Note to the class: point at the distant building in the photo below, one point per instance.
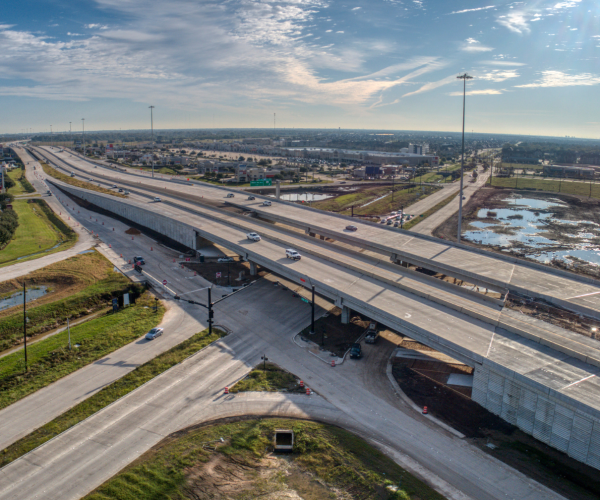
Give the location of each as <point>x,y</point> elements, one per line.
<point>569,172</point>
<point>418,149</point>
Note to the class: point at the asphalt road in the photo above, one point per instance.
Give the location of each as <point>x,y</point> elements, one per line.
<point>263,320</point>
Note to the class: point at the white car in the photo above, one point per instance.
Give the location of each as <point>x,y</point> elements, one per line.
<point>226,259</point>
<point>253,236</point>
<point>157,199</point>
<point>266,203</point>
<point>292,254</point>
<point>154,333</point>
<point>230,195</point>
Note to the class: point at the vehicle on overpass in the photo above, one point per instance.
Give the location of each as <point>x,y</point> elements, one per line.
<point>154,333</point>
<point>266,203</point>
<point>230,195</point>
<point>225,260</point>
<point>72,174</point>
<point>351,228</point>
<point>253,236</point>
<point>292,254</point>
<point>251,198</point>
<point>157,199</point>
<point>139,260</point>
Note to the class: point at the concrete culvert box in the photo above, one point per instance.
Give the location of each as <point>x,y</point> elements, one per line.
<point>284,440</point>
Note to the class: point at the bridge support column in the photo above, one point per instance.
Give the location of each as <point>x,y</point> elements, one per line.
<point>252,268</point>
<point>346,311</point>
<point>277,189</point>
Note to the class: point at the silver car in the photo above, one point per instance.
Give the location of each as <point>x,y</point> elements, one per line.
<point>154,333</point>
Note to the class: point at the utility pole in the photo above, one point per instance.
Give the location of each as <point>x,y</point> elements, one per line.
<point>69,331</point>
<point>464,78</point>
<point>25,325</point>
<point>83,134</point>
<point>312,313</point>
<point>152,135</point>
<point>274,121</point>
<point>51,136</point>
<point>70,134</point>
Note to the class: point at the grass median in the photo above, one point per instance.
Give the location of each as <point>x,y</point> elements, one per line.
<point>22,185</point>
<point>50,359</point>
<point>67,179</point>
<point>328,462</point>
<point>553,185</point>
<point>268,377</point>
<point>39,232</point>
<point>75,288</point>
<point>109,394</point>
<point>431,211</point>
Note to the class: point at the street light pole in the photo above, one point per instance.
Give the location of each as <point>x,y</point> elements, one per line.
<point>83,134</point>
<point>70,134</point>
<point>25,325</point>
<point>312,312</point>
<point>152,135</point>
<point>464,78</point>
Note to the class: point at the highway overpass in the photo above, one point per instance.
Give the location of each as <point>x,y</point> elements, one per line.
<point>542,379</point>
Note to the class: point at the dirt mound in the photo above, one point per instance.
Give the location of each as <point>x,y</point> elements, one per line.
<point>133,230</point>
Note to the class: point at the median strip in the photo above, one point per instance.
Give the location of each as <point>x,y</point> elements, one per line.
<point>110,394</point>
<point>408,225</point>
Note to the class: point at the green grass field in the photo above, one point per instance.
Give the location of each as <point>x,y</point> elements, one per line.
<point>39,230</point>
<point>17,189</point>
<point>269,378</point>
<point>403,196</point>
<point>436,176</point>
<point>325,454</point>
<point>564,186</point>
<point>52,172</point>
<point>109,394</point>
<point>50,359</point>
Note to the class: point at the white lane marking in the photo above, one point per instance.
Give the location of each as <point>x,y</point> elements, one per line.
<point>575,383</point>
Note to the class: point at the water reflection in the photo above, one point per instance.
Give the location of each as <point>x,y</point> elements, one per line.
<point>526,224</point>
<point>16,298</point>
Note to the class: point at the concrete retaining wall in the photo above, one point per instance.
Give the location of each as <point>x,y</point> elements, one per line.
<point>566,427</point>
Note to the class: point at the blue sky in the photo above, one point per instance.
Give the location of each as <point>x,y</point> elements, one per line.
<point>385,64</point>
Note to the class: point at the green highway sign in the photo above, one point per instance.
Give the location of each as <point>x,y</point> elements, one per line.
<point>262,182</point>
<point>305,300</point>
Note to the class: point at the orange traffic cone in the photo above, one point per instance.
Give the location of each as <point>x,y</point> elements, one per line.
<point>301,383</point>
<point>333,362</point>
<point>425,412</point>
<point>307,391</point>
<point>226,390</point>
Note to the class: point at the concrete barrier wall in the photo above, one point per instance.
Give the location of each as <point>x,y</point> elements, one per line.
<point>556,422</point>
<point>535,408</point>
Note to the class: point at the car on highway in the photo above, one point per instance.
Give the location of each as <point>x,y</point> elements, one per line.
<point>157,199</point>
<point>139,260</point>
<point>224,260</point>
<point>114,186</point>
<point>251,198</point>
<point>125,192</point>
<point>120,190</point>
<point>48,193</point>
<point>230,195</point>
<point>154,333</point>
<point>90,180</point>
<point>253,236</point>
<point>292,254</point>
<point>266,203</point>
<point>389,222</point>
<point>351,228</point>
<point>356,351</point>
<point>72,174</point>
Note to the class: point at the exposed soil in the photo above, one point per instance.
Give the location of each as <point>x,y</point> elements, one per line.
<point>133,230</point>
<point>337,338</point>
<point>543,311</point>
<point>577,208</point>
<point>230,273</point>
<point>482,428</point>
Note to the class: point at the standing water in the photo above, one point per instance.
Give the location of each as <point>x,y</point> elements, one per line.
<point>16,298</point>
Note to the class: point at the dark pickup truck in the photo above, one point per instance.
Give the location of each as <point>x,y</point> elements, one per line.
<point>371,336</point>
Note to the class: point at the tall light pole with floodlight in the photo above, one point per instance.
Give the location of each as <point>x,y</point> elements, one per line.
<point>83,134</point>
<point>464,78</point>
<point>152,135</point>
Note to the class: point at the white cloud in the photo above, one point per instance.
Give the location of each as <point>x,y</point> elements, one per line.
<point>478,92</point>
<point>472,45</point>
<point>473,10</point>
<point>515,21</point>
<point>503,63</point>
<point>356,8</point>
<point>553,78</point>
<point>498,75</point>
<point>432,85</point>
<point>96,26</point>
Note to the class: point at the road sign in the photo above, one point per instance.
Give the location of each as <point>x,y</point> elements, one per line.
<point>188,259</point>
<point>218,275</point>
<point>262,182</point>
<point>165,282</point>
<point>305,300</point>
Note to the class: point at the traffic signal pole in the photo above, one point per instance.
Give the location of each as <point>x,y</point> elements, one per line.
<point>312,312</point>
